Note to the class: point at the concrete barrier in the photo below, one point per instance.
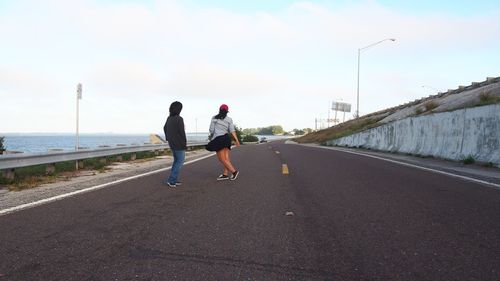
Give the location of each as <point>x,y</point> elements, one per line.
<point>156,139</point>
<point>451,135</point>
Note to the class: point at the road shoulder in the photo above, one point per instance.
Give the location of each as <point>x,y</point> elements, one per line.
<point>89,179</point>
<point>485,175</point>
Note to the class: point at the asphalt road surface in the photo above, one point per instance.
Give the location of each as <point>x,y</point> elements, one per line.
<point>334,216</point>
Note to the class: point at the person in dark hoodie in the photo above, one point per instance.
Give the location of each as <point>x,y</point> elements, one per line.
<point>176,137</point>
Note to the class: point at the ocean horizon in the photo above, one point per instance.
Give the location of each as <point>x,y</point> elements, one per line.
<point>43,142</point>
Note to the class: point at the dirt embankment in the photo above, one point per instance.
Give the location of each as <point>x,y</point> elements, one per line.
<point>476,94</point>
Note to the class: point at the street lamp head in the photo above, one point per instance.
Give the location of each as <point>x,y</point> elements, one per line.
<point>359,58</point>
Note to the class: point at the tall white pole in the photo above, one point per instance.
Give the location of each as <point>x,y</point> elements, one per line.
<point>357,95</point>
<point>328,120</point>
<point>77,135</point>
<point>359,59</point>
<point>78,97</point>
<point>336,110</point>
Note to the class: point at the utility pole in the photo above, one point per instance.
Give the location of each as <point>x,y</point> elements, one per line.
<point>336,109</point>
<point>328,120</point>
<point>78,98</point>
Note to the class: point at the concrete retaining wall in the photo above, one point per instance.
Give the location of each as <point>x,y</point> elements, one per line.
<point>451,135</point>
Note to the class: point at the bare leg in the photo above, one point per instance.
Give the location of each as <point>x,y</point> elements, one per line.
<point>222,158</point>
<point>226,156</point>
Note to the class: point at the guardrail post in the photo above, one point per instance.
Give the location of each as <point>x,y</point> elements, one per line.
<point>157,152</point>
<point>79,163</point>
<point>133,156</point>
<point>119,158</point>
<point>50,169</point>
<point>8,174</point>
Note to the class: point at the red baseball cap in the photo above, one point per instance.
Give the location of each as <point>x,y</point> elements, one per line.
<point>224,107</point>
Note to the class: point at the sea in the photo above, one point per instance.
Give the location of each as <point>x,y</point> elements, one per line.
<point>38,143</point>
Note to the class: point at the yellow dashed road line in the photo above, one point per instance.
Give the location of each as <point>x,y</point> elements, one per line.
<point>284,169</point>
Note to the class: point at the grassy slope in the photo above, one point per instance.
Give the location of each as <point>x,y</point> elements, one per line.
<point>421,107</point>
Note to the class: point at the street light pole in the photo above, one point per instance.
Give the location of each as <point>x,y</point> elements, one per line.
<point>357,95</point>
<point>359,62</point>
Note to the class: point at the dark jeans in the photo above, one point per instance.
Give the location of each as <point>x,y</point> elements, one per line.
<point>176,166</point>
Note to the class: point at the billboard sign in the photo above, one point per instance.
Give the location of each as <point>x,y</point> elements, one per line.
<point>341,106</point>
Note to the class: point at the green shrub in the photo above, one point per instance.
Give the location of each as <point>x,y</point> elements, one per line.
<point>2,148</point>
<point>145,154</point>
<point>4,180</point>
<point>250,138</point>
<point>489,165</point>
<point>67,166</point>
<point>93,163</point>
<point>419,111</point>
<point>238,133</point>
<point>469,160</point>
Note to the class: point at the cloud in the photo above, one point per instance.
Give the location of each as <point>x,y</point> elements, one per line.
<point>134,78</point>
<point>305,53</point>
<point>362,23</point>
<point>125,79</point>
<point>18,82</point>
<point>207,79</point>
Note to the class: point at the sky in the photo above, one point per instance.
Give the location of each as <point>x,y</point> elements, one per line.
<point>272,62</point>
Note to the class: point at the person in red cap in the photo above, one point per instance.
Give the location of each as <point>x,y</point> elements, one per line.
<point>221,130</point>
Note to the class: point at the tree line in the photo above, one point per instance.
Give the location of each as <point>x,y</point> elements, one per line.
<point>269,130</point>
<point>275,130</point>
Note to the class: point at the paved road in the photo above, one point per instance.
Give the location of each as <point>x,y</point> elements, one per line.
<point>355,218</point>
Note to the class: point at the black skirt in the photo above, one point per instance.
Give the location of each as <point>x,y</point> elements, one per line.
<point>219,143</point>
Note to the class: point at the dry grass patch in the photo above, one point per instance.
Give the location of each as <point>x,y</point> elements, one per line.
<point>348,128</point>
<point>487,97</point>
<point>430,105</point>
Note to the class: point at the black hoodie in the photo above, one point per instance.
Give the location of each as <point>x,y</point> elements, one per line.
<point>175,133</point>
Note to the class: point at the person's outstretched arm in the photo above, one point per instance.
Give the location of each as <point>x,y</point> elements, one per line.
<point>235,137</point>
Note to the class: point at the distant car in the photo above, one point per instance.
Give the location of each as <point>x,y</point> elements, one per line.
<point>264,139</point>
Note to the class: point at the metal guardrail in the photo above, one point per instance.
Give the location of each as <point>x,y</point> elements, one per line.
<point>12,161</point>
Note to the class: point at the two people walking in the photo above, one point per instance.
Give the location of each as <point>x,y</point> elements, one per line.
<point>221,131</point>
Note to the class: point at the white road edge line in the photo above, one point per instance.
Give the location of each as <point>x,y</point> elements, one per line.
<point>497,186</point>
<point>71,194</point>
